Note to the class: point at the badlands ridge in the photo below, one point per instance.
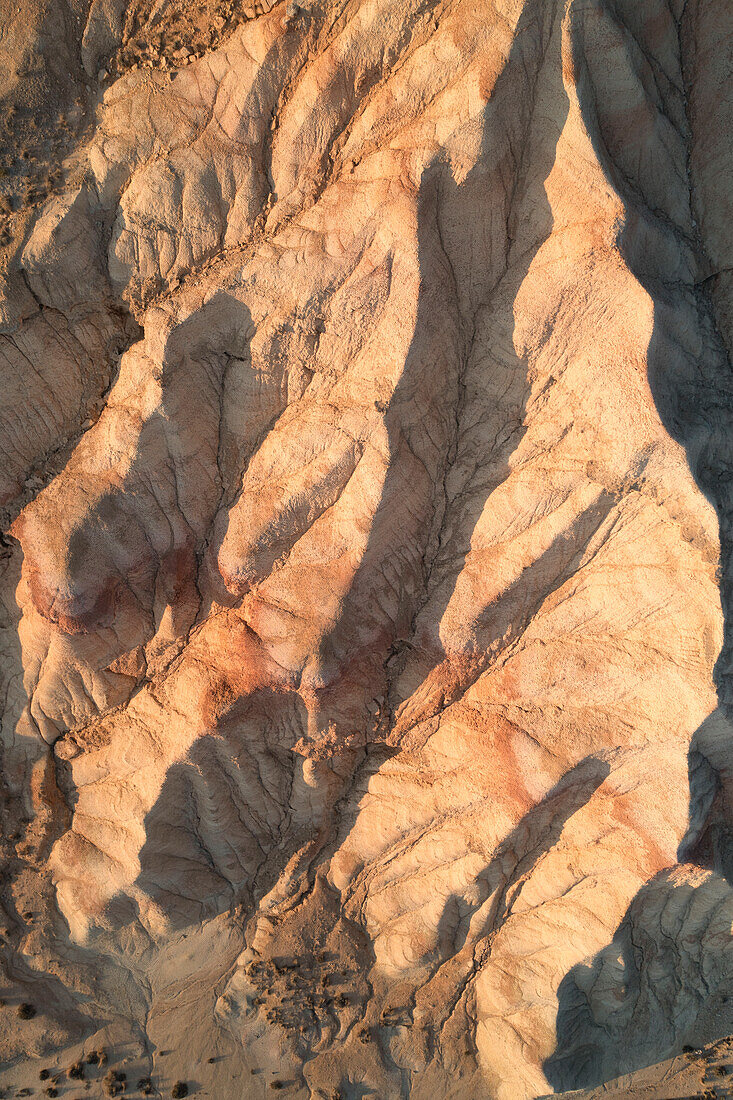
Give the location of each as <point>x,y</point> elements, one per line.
<point>366,419</point>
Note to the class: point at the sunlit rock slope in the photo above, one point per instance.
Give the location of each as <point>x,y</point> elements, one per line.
<point>367,445</point>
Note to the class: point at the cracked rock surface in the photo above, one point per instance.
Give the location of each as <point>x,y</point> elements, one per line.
<point>366,668</point>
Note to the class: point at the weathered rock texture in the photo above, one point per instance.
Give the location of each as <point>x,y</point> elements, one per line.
<point>367,442</point>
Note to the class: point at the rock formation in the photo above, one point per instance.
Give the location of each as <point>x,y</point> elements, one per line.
<point>367,452</point>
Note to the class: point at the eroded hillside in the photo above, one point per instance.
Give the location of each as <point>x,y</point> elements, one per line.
<point>367,441</point>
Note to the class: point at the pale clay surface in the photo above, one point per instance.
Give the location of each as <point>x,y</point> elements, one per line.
<point>366,448</point>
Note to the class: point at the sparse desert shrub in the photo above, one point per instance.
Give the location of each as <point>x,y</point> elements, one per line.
<point>26,1011</point>
<point>179,1089</point>
<point>114,1083</point>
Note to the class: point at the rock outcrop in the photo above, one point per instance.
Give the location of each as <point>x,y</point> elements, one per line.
<point>367,448</point>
